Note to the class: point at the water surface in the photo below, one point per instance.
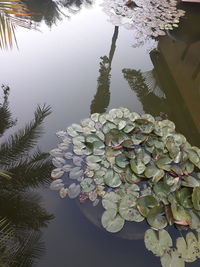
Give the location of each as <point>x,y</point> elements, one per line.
<point>63,64</point>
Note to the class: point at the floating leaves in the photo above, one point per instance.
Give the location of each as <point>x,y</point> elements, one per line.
<point>148,18</point>
<point>187,249</point>
<point>139,168</point>
<point>111,221</point>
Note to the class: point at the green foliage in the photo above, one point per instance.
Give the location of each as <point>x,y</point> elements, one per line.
<point>116,150</point>
<point>20,237</point>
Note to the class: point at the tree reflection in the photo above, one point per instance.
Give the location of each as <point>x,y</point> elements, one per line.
<point>141,84</point>
<point>50,11</point>
<point>12,13</point>
<point>46,10</point>
<point>102,98</point>
<point>21,207</point>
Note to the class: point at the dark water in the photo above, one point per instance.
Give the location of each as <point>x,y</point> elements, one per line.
<point>62,64</point>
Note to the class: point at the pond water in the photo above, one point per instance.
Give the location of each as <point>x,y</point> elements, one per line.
<point>62,64</point>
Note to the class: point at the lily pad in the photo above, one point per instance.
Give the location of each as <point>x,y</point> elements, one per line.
<point>189,248</point>
<point>112,179</point>
<point>153,172</point>
<point>75,173</point>
<point>74,190</point>
<point>172,258</point>
<point>145,203</point>
<point>110,200</point>
<point>111,221</point>
<point>127,209</point>
<point>184,197</point>
<point>138,166</point>
<point>196,198</point>
<point>121,160</point>
<point>57,184</point>
<point>58,162</point>
<point>157,244</point>
<point>156,218</point>
<point>57,173</point>
<point>164,163</point>
<point>87,185</point>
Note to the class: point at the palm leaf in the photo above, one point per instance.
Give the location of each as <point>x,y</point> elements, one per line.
<point>30,173</point>
<point>5,174</point>
<point>23,210</point>
<point>25,139</point>
<point>12,13</point>
<point>6,120</point>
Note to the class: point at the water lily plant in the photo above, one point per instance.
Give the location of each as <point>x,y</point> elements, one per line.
<point>137,166</point>
<point>146,18</point>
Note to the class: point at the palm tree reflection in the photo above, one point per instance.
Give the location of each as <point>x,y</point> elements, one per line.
<point>102,98</point>
<point>20,206</point>
<point>50,11</point>
<point>12,13</point>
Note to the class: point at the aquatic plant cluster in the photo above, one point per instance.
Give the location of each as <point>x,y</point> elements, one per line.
<point>137,165</point>
<point>146,18</point>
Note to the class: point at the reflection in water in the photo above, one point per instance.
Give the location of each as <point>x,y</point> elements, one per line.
<point>177,74</point>
<point>50,11</point>
<point>46,10</point>
<point>21,208</point>
<point>12,14</point>
<point>5,115</point>
<point>152,102</point>
<point>102,98</point>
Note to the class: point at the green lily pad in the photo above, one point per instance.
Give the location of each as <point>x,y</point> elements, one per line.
<point>195,220</point>
<point>190,181</point>
<point>138,166</point>
<point>87,185</point>
<point>129,127</point>
<point>108,126</point>
<point>121,160</point>
<point>153,172</point>
<point>188,248</point>
<point>145,126</point>
<point>145,203</point>
<point>180,213</point>
<point>138,138</point>
<point>188,166</point>
<point>91,138</point>
<point>71,132</point>
<point>111,221</point>
<point>184,197</point>
<point>157,244</point>
<point>196,198</point>
<point>93,159</point>
<point>156,218</point>
<point>95,117</point>
<point>110,200</point>
<point>164,163</point>
<point>112,179</point>
<point>193,156</point>
<point>75,173</point>
<point>172,258</point>
<point>161,189</point>
<point>128,211</point>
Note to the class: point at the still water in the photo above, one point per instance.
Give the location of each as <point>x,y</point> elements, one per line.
<point>62,64</point>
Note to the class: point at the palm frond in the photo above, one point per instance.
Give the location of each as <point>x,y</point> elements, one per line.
<point>30,250</point>
<point>5,174</point>
<point>6,120</point>
<point>7,247</point>
<point>19,247</point>
<point>30,173</point>
<point>23,209</point>
<point>19,144</point>
<point>12,13</point>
